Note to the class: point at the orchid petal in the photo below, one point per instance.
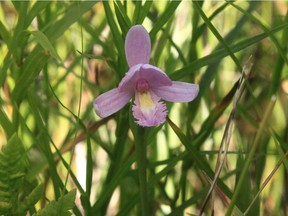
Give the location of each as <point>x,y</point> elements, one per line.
<point>177,92</point>
<point>148,110</point>
<point>137,46</point>
<point>153,75</point>
<point>110,102</point>
<point>129,80</point>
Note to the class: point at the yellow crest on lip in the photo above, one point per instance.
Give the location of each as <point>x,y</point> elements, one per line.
<point>146,102</point>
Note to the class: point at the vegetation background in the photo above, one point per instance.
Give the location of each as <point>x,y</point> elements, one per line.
<point>224,153</point>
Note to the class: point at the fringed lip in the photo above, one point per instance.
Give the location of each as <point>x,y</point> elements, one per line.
<point>148,110</point>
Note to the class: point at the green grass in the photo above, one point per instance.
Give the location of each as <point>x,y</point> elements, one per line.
<point>225,152</point>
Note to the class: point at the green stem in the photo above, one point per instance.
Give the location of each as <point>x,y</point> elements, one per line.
<point>140,140</point>
<point>251,154</point>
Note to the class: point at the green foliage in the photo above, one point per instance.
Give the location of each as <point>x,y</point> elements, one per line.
<point>59,207</point>
<point>12,172</point>
<point>57,57</point>
<point>45,43</point>
<point>13,168</point>
<point>31,199</point>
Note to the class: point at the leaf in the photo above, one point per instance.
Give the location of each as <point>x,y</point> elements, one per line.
<point>170,9</point>
<point>118,40</point>
<point>279,46</point>
<point>217,34</point>
<point>12,167</point>
<point>221,53</point>
<point>37,58</point>
<point>42,39</point>
<point>35,10</point>
<point>141,11</point>
<point>4,33</point>
<point>117,169</point>
<point>59,207</point>
<point>6,123</point>
<point>252,150</point>
<point>122,17</point>
<point>32,198</point>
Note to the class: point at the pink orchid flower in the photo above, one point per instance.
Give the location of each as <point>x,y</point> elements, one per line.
<point>146,83</point>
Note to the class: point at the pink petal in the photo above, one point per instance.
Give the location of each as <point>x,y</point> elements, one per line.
<point>153,113</point>
<point>110,102</point>
<point>153,75</point>
<point>128,82</point>
<point>177,92</point>
<point>137,46</point>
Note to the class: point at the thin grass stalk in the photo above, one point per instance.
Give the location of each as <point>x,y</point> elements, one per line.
<point>140,140</point>
<point>227,132</point>
<point>79,105</point>
<point>266,182</point>
<point>255,144</point>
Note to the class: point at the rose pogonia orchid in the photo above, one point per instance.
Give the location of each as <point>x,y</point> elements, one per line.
<point>147,83</point>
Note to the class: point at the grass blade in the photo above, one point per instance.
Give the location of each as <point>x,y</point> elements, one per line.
<point>118,39</point>
<point>170,9</point>
<point>45,43</point>
<point>251,154</point>
<point>219,54</point>
<point>217,35</point>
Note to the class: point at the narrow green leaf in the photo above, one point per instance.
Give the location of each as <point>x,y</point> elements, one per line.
<point>217,34</point>
<point>196,34</point>
<point>192,201</point>
<point>198,158</point>
<point>45,43</point>
<point>280,61</point>
<point>179,51</point>
<point>219,54</point>
<point>13,54</point>
<point>68,167</point>
<point>118,175</point>
<point>5,36</point>
<point>119,41</point>
<point>268,179</point>
<point>164,18</point>
<point>114,171</point>
<point>89,168</point>
<point>214,115</point>
<point>137,10</point>
<point>141,12</point>
<point>31,199</point>
<point>265,29</point>
<point>30,69</point>
<point>36,9</point>
<point>122,17</point>
<point>161,43</point>
<point>279,146</point>
<point>248,161</point>
<point>6,124</point>
<point>42,140</point>
<point>37,58</point>
<point>140,137</point>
